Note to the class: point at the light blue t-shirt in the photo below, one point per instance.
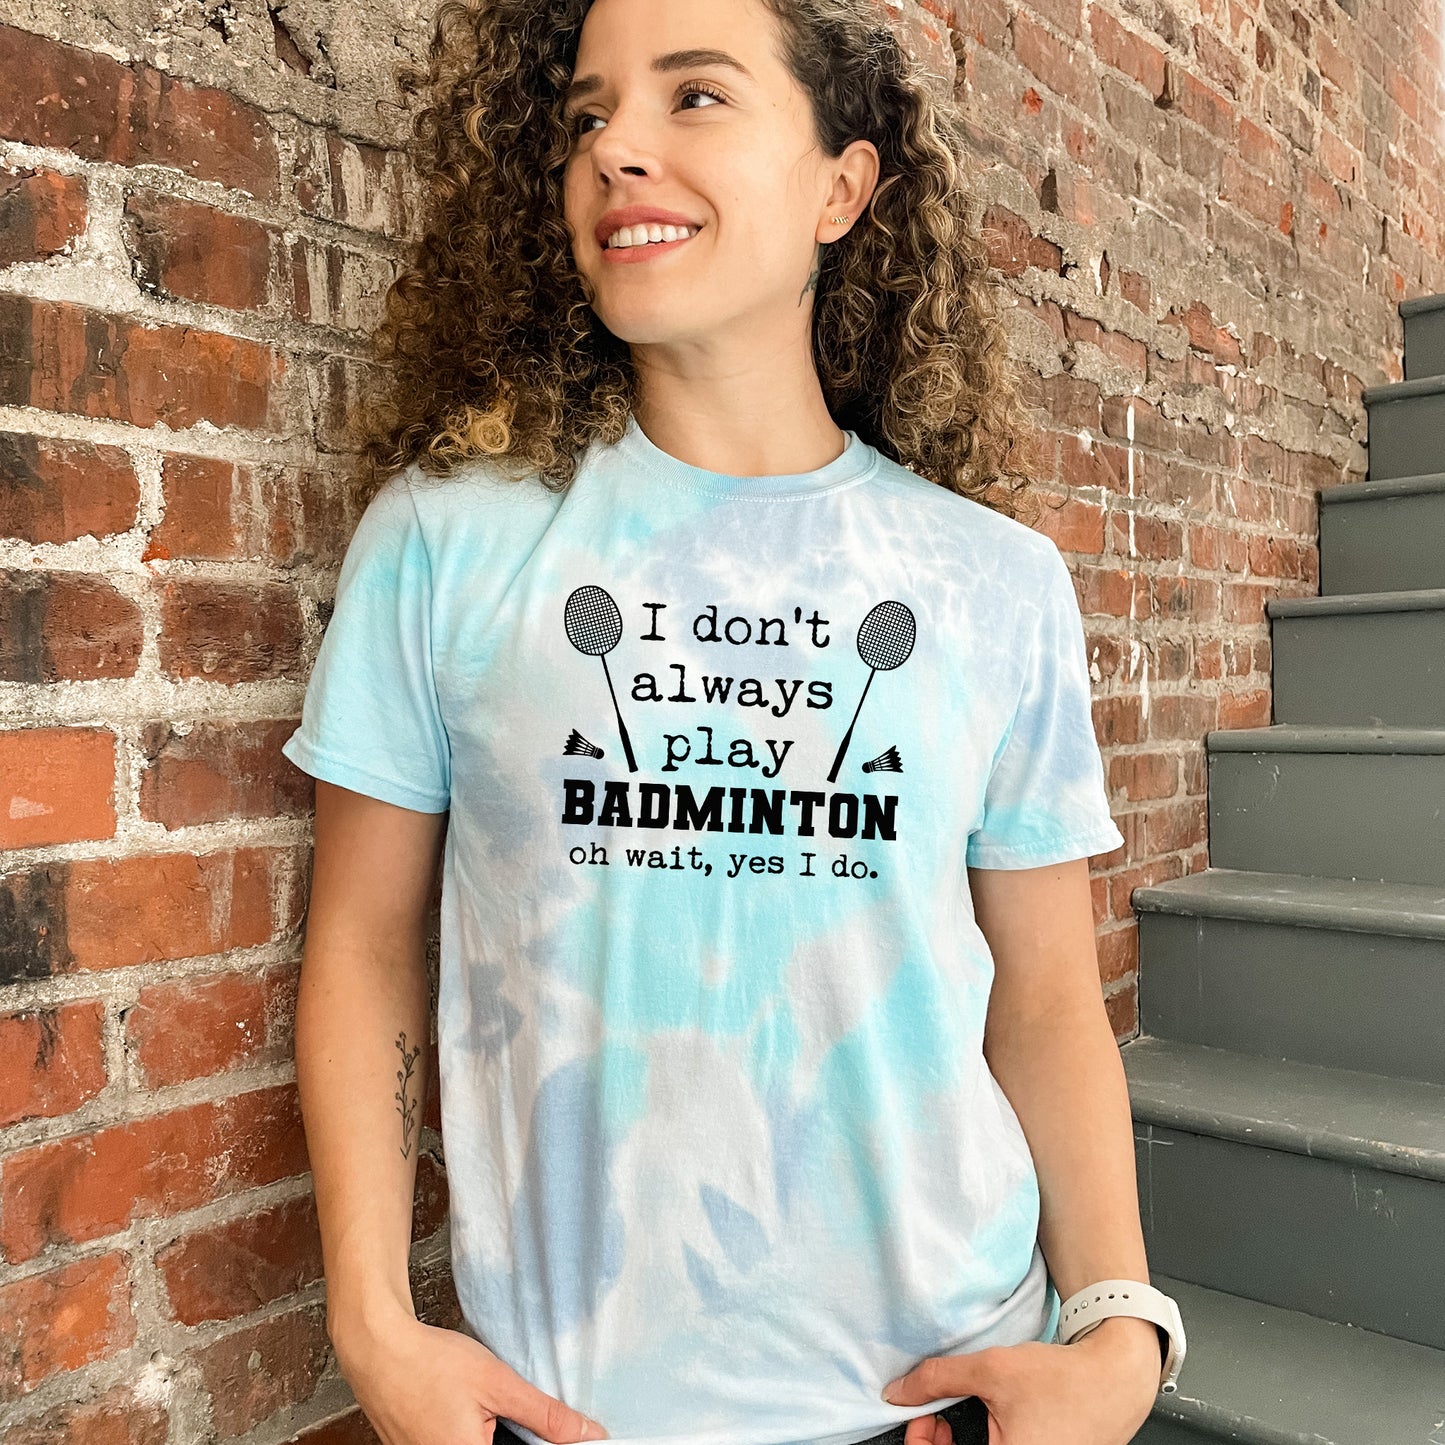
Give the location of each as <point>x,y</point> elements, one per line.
<point>723,1150</point>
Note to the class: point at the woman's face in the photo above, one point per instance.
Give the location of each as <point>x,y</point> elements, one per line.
<point>682,114</point>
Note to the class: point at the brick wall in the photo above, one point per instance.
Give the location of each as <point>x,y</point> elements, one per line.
<point>1208,219</point>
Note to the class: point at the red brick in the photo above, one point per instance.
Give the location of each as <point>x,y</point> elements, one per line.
<point>1070,401</point>
<point>62,1320</point>
<point>1335,66</point>
<point>366,186</point>
<point>73,99</point>
<point>1201,103</point>
<point>1141,875</point>
<point>124,911</point>
<point>1122,1007</point>
<point>1245,709</point>
<point>1093,463</point>
<point>328,507</point>
<point>1175,827</point>
<point>57,785</point>
<point>233,1268</point>
<point>1243,601</point>
<point>58,625</point>
<point>221,510</point>
<point>51,1060</point>
<point>353,1428</point>
<point>343,396</point>
<point>1176,595</point>
<point>100,913</point>
<point>1214,549</point>
<point>253,1373</point>
<point>1144,775</point>
<point>41,213</point>
<point>62,358</point>
<point>194,1028</point>
<point>69,1191</point>
<point>230,631</point>
<point>1258,148</point>
<point>1075,526</point>
<point>1271,556</point>
<point>219,771</point>
<point>1138,534</point>
<point>1063,67</point>
<point>197,252</point>
<point>1013,247</point>
<point>1197,322</point>
<point>431,1206</point>
<point>1062,15</point>
<point>56,491</point>
<point>1256,195</point>
<point>1127,52</point>
<point>1048,313</point>
<point>116,1417</point>
<point>1127,350</point>
<point>1111,592</point>
<point>1218,60</point>
<point>1135,290</point>
<point>1117,720</point>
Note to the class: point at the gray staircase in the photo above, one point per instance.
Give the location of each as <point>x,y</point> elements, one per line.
<point>1288,1083</point>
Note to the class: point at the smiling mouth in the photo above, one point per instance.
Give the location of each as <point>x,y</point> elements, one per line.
<point>630,238</point>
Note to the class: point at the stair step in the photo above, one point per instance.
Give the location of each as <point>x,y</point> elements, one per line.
<point>1262,1375</point>
<point>1406,426</point>
<point>1382,535</point>
<point>1328,971</point>
<point>1372,659</point>
<point>1310,1188</point>
<point>1346,1115</point>
<point>1424,318</point>
<point>1339,802</point>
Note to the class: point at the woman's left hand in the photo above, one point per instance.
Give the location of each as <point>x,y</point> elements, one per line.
<point>1096,1391</point>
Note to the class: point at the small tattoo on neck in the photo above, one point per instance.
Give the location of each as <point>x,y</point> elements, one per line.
<point>811,284</point>
<point>406,1107</point>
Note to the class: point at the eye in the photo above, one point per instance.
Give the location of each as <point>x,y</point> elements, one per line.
<point>697,87</point>
<point>575,122</point>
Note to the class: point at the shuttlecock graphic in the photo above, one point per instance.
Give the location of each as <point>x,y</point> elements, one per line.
<point>578,745</point>
<point>886,762</point>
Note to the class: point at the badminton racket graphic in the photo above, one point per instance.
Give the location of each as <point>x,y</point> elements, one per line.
<point>594,626</point>
<point>885,639</point>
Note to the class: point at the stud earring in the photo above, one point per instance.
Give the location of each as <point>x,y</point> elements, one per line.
<point>840,220</point>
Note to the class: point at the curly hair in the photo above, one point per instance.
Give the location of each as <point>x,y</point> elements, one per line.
<point>488,347</point>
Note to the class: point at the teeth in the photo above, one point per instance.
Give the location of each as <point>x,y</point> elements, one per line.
<point>641,235</point>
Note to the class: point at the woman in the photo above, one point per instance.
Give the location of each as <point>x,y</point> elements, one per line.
<point>696,604</point>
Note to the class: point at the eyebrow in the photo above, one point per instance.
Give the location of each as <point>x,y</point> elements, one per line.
<point>694,59</point>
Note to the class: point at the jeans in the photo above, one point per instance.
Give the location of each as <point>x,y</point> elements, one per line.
<point>968,1419</point>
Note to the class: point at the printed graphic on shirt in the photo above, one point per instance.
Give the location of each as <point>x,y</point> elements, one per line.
<point>884,641</point>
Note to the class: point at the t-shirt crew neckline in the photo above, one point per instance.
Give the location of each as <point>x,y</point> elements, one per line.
<point>853,464</point>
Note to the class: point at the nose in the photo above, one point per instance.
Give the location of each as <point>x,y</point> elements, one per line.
<point>625,145</point>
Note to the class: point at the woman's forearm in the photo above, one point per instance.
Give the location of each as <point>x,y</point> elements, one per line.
<point>362,1021</point>
<point>1060,1068</point>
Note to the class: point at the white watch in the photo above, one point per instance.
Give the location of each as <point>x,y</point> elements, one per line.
<point>1096,1303</point>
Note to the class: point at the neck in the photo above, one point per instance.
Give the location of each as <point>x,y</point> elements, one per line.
<point>746,419</point>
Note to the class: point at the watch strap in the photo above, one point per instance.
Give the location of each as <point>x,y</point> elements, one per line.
<point>1106,1298</point>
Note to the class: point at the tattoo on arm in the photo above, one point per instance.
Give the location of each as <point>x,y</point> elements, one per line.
<point>811,284</point>
<point>404,1106</point>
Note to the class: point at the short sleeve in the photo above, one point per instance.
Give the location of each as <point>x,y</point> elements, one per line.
<point>371,720</point>
<point>1045,800</point>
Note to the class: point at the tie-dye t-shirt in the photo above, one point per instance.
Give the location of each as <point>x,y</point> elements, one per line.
<point>723,1150</point>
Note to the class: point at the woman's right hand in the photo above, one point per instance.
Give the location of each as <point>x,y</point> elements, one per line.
<point>420,1385</point>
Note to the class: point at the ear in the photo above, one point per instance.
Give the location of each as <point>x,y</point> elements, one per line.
<point>855,178</point>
